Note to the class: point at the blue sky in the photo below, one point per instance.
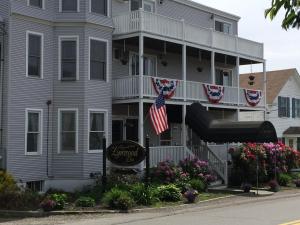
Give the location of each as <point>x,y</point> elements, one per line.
<point>282,48</point>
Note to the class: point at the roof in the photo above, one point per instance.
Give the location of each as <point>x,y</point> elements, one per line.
<point>275,82</point>
<point>205,8</point>
<point>292,130</point>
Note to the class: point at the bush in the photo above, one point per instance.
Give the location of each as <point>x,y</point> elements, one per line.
<point>143,195</point>
<point>122,179</point>
<point>60,200</point>
<point>95,192</point>
<point>85,202</point>
<point>118,199</point>
<point>166,172</point>
<point>48,205</point>
<point>198,185</point>
<point>169,193</point>
<point>7,183</point>
<point>284,179</point>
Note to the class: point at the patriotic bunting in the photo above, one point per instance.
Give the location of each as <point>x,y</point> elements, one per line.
<point>253,97</point>
<point>164,86</point>
<point>214,93</point>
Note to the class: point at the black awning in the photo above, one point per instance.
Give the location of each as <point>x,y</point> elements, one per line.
<point>211,130</point>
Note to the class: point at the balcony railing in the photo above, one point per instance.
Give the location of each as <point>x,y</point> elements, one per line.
<point>178,29</point>
<point>128,87</point>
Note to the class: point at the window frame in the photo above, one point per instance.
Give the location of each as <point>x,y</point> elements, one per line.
<point>230,71</point>
<point>107,58</point>
<point>296,108</point>
<point>287,113</point>
<point>28,33</point>
<point>59,129</point>
<point>142,6</point>
<point>40,141</point>
<point>43,5</point>
<point>131,54</point>
<point>105,113</point>
<point>223,21</point>
<point>62,38</point>
<point>77,11</point>
<point>99,14</point>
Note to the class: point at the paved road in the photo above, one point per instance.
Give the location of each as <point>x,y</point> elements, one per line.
<point>275,210</point>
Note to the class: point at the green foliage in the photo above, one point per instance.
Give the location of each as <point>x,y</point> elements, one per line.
<point>292,12</point>
<point>118,199</point>
<point>143,195</point>
<point>198,185</point>
<point>169,193</point>
<point>7,183</point>
<point>284,179</point>
<point>95,192</point>
<point>165,172</point>
<point>122,179</point>
<point>85,202</point>
<point>60,200</point>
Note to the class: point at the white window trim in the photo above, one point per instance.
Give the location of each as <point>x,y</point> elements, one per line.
<point>40,111</point>
<point>131,53</point>
<point>223,21</point>
<point>226,70</point>
<point>155,5</point>
<point>107,58</point>
<point>107,8</point>
<point>42,53</point>
<point>68,38</point>
<point>60,110</point>
<point>43,4</point>
<point>105,112</point>
<point>60,7</point>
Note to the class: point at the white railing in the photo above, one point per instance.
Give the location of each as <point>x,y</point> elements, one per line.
<point>125,87</point>
<point>178,29</point>
<point>244,102</point>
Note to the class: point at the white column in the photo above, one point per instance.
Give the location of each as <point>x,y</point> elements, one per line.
<point>213,71</point>
<point>238,83</point>
<point>184,94</point>
<point>265,87</point>
<point>141,89</point>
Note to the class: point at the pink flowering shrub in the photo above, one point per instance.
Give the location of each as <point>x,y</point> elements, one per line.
<point>165,172</point>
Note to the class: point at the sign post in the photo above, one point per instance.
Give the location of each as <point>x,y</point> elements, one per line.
<point>104,177</point>
<point>147,162</point>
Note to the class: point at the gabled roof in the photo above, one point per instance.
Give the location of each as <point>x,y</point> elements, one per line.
<point>275,81</point>
<point>292,130</point>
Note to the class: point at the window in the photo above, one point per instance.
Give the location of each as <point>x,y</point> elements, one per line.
<point>149,6</point>
<point>67,139</point>
<point>149,65</point>
<point>223,27</point>
<point>165,138</point>
<point>295,108</point>
<point>69,54</point>
<point>34,64</point>
<point>283,106</point>
<point>36,3</point>
<point>98,59</point>
<point>224,77</point>
<point>33,132</point>
<point>99,6</point>
<point>298,144</point>
<point>69,6</point>
<point>97,129</point>
<point>135,5</point>
<point>291,143</point>
<point>35,186</point>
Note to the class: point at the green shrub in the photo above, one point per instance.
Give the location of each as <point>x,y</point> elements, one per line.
<point>85,202</point>
<point>118,199</point>
<point>284,179</point>
<point>7,183</point>
<point>198,185</point>
<point>95,192</point>
<point>169,193</point>
<point>143,195</point>
<point>60,200</point>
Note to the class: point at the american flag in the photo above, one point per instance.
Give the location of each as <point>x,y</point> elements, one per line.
<point>158,115</point>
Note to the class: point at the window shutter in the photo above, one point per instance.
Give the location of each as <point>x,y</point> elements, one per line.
<point>279,107</point>
<point>288,107</point>
<point>293,107</point>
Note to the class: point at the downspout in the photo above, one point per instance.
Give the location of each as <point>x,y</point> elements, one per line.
<point>49,102</point>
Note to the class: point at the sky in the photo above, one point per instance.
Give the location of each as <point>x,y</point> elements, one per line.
<point>282,48</point>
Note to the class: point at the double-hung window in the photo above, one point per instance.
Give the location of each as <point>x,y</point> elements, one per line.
<point>99,7</point>
<point>68,131</point>
<point>223,27</point>
<point>224,77</point>
<point>33,131</point>
<point>36,3</point>
<point>295,108</point>
<point>69,5</point>
<point>97,129</point>
<point>34,58</point>
<point>98,59</point>
<point>283,106</point>
<point>69,56</point>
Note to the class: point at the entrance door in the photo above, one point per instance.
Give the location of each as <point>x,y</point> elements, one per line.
<point>132,131</point>
<point>117,130</point>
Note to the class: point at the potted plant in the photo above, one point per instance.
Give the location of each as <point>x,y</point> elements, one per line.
<point>246,187</point>
<point>274,186</point>
<point>297,182</point>
<point>191,195</point>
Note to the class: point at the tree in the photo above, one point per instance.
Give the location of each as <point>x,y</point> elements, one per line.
<point>292,12</point>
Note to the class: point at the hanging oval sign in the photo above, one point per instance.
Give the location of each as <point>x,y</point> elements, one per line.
<point>126,153</point>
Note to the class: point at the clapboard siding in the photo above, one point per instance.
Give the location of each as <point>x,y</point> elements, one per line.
<point>292,90</point>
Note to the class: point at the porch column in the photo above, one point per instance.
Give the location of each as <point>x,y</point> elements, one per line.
<point>213,71</point>
<point>141,89</point>
<point>184,93</point>
<point>265,87</point>
<point>238,84</point>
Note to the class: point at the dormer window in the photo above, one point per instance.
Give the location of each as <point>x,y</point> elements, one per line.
<point>223,27</point>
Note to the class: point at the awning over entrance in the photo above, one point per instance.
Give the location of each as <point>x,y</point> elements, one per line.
<point>222,131</point>
<point>292,131</point>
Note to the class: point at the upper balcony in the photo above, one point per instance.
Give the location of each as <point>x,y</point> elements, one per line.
<point>151,23</point>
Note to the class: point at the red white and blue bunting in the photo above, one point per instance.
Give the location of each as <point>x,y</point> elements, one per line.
<point>214,93</point>
<point>253,97</point>
<point>167,87</point>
